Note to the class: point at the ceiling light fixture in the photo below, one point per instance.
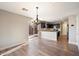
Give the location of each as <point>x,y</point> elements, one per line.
<point>36,21</point>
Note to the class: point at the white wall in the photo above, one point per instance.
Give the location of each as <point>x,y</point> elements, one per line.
<point>13,29</point>
<point>72,29</point>
<point>77,32</point>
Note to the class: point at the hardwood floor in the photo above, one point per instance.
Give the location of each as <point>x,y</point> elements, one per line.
<point>44,47</point>
<point>8,49</point>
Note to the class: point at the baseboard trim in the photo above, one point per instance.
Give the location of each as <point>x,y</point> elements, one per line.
<point>14,49</point>
<point>31,36</point>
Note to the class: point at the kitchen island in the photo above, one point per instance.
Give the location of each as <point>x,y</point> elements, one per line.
<point>49,35</point>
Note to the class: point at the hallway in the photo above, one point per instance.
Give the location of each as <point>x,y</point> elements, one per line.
<point>43,47</point>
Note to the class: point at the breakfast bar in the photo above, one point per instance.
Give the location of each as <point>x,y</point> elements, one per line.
<point>49,35</point>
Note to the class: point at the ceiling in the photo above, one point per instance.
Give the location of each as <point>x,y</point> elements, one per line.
<point>48,11</point>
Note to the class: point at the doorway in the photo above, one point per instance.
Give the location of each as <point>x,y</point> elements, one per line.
<point>64,33</point>
<point>32,30</point>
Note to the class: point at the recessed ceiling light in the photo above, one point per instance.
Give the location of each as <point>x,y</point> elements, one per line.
<point>24,9</point>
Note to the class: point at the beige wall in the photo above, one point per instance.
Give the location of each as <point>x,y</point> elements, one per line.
<point>13,29</point>
<point>64,28</point>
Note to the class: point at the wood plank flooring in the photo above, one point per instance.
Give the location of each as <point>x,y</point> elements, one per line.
<point>44,47</point>
<point>7,49</point>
